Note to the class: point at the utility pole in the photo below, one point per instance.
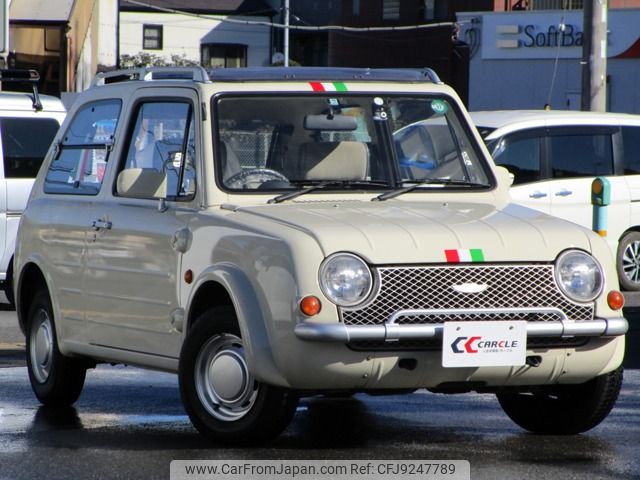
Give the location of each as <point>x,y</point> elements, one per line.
<point>594,56</point>
<point>286,33</point>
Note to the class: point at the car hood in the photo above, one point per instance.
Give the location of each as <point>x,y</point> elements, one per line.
<point>422,232</point>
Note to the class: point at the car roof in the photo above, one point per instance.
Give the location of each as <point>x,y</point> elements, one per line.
<point>23,101</point>
<point>505,121</point>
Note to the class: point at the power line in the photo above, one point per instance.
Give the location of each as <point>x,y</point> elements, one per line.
<point>317,28</point>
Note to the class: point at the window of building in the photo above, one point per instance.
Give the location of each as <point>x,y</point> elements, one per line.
<point>355,8</point>
<point>429,9</point>
<point>82,156</point>
<point>152,37</point>
<point>545,5</point>
<point>391,9</point>
<point>217,55</point>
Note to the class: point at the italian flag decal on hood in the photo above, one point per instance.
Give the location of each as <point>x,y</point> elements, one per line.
<point>328,86</point>
<point>461,255</point>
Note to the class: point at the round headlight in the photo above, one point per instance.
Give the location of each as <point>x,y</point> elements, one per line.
<point>579,275</point>
<point>345,279</point>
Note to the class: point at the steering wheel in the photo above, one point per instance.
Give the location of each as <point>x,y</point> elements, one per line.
<point>253,178</point>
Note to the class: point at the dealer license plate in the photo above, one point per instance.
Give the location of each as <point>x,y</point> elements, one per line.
<point>484,344</point>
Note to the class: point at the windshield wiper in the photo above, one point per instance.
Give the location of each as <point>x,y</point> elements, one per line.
<point>324,184</point>
<point>428,181</point>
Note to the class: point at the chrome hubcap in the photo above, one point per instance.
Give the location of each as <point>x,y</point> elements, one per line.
<point>41,347</point>
<point>631,262</point>
<point>224,385</point>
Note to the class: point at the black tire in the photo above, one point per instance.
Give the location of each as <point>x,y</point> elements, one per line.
<point>564,409</point>
<point>8,286</point>
<point>237,408</point>
<point>56,380</point>
<point>628,262</point>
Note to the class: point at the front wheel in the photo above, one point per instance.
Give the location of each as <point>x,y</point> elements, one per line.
<point>564,409</point>
<point>628,261</point>
<point>222,398</point>
<point>56,380</point>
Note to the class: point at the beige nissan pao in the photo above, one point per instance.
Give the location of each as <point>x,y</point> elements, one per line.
<point>274,233</point>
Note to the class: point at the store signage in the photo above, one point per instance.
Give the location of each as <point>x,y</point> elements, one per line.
<point>554,36</point>
<point>534,36</point>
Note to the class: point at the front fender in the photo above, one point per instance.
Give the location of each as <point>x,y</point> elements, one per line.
<point>251,319</point>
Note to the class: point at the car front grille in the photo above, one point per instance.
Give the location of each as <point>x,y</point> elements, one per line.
<point>430,289</point>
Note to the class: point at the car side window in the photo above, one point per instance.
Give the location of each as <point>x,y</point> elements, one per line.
<point>23,151</point>
<point>521,156</point>
<point>82,155</point>
<point>163,141</point>
<point>631,146</point>
<point>578,155</point>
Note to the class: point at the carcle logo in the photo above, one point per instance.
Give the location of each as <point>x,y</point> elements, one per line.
<point>477,344</point>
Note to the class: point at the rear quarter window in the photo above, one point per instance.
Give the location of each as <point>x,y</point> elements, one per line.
<point>25,142</point>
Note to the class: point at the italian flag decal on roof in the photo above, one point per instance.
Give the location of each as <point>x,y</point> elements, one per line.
<point>328,86</point>
<point>464,255</point>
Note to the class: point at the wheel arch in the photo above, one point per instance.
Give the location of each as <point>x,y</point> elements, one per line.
<point>225,284</point>
<point>31,280</point>
<point>634,228</point>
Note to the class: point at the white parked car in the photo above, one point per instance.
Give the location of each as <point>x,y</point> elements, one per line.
<point>28,123</point>
<point>274,233</point>
<point>554,157</point>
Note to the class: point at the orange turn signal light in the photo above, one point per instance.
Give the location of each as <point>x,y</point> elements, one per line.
<point>310,306</point>
<point>615,299</point>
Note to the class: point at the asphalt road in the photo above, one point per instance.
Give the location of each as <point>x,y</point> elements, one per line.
<point>129,424</point>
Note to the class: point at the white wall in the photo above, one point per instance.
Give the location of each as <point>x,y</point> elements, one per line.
<point>182,35</point>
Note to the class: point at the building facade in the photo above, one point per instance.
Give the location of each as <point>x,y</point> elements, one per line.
<point>213,34</point>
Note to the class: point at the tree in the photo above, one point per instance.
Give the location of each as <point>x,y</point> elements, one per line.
<point>144,59</point>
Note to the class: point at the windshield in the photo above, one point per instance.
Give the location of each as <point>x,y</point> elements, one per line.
<point>343,142</point>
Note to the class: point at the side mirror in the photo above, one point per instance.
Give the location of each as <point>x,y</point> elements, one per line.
<point>141,183</point>
<point>505,177</point>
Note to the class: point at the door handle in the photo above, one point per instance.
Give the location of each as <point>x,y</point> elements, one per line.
<point>564,193</point>
<point>537,194</point>
<point>101,225</point>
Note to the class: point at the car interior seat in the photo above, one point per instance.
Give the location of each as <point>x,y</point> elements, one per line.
<point>346,160</point>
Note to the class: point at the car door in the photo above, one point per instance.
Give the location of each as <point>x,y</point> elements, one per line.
<point>522,154</point>
<point>61,216</point>
<point>22,153</point>
<point>577,155</point>
<point>133,266</point>
<point>631,169</point>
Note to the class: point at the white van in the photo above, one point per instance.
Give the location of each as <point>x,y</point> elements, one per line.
<point>28,123</point>
<point>554,157</point>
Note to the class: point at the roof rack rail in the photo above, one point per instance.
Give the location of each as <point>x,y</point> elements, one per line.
<point>196,74</point>
<point>258,74</point>
<point>32,77</point>
<point>431,74</point>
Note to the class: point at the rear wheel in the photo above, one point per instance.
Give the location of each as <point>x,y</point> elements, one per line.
<point>223,399</point>
<point>56,380</point>
<point>564,409</point>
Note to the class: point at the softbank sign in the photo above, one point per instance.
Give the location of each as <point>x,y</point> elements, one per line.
<point>527,35</point>
<point>534,36</point>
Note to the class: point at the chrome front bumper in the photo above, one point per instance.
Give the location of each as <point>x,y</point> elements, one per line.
<point>391,331</point>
